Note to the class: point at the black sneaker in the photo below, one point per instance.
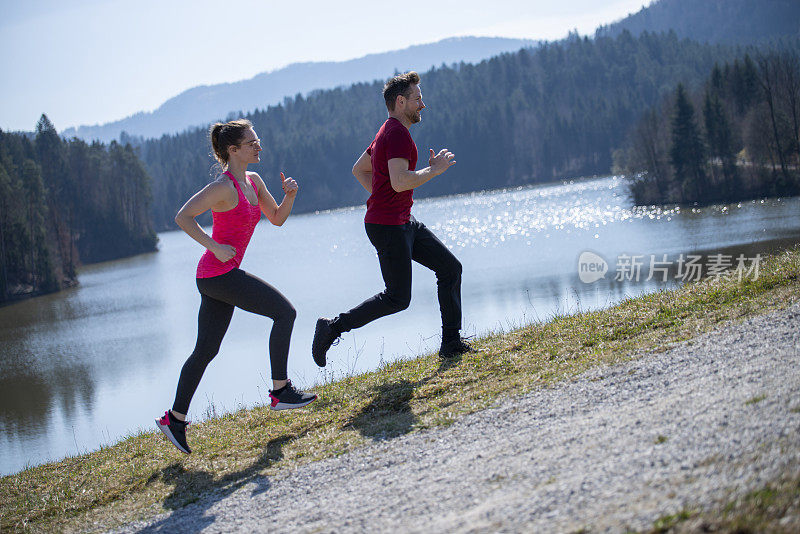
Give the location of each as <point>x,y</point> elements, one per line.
<point>455,347</point>
<point>175,430</point>
<point>324,337</point>
<point>290,397</point>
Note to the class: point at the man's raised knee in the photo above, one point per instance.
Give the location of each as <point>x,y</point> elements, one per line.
<point>289,314</point>
<point>399,302</point>
<point>451,272</point>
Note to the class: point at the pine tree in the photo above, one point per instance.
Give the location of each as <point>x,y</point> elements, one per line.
<point>720,140</point>
<point>687,152</point>
<point>40,263</point>
<point>59,191</point>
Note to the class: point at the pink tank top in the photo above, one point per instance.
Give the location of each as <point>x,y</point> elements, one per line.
<point>233,227</point>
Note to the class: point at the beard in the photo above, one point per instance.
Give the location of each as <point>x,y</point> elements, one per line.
<point>414,116</point>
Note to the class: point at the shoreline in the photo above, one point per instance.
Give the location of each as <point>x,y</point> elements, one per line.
<point>143,475</point>
<point>69,283</point>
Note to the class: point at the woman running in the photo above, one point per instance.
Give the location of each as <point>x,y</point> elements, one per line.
<point>236,200</point>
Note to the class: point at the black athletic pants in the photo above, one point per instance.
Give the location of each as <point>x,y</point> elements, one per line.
<point>219,296</point>
<point>397,246</point>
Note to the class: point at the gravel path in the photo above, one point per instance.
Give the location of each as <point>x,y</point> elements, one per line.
<point>614,450</point>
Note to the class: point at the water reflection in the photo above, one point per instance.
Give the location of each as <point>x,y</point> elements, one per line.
<point>68,391</point>
<point>40,370</point>
<point>88,365</point>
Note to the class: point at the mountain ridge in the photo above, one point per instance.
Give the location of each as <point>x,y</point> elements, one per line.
<point>700,20</point>
<point>205,103</point>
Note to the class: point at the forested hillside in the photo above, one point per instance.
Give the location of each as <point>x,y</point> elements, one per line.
<point>737,137</point>
<point>739,22</point>
<point>63,203</point>
<point>518,118</point>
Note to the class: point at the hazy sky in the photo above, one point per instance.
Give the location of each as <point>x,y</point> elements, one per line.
<point>93,61</point>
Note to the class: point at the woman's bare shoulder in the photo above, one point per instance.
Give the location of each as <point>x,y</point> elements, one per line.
<point>219,188</point>
<point>255,177</point>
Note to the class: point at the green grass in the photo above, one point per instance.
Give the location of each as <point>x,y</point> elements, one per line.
<point>667,522</point>
<point>144,475</point>
<point>773,508</point>
<point>755,400</point>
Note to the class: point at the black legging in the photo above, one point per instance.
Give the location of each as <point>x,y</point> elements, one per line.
<point>220,295</point>
<point>397,246</point>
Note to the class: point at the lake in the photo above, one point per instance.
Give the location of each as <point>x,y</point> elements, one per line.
<point>92,364</point>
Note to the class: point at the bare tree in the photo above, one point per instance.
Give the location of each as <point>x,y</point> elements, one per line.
<point>769,71</point>
<point>789,90</point>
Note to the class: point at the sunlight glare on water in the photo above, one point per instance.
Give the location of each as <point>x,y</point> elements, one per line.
<point>521,213</point>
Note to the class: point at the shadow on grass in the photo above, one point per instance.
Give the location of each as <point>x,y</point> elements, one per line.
<point>389,413</point>
<point>199,487</point>
<point>195,491</point>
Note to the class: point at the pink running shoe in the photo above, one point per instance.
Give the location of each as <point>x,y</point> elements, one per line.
<point>175,430</point>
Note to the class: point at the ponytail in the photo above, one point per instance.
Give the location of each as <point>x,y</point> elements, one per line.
<point>225,135</point>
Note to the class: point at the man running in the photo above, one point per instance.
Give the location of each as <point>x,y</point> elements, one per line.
<point>387,171</point>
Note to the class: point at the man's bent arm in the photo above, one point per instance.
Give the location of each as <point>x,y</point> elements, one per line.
<point>403,179</point>
<point>362,170</point>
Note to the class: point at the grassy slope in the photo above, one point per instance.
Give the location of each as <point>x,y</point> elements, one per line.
<point>144,475</point>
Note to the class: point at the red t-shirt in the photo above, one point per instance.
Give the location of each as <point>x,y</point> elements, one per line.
<point>385,205</point>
